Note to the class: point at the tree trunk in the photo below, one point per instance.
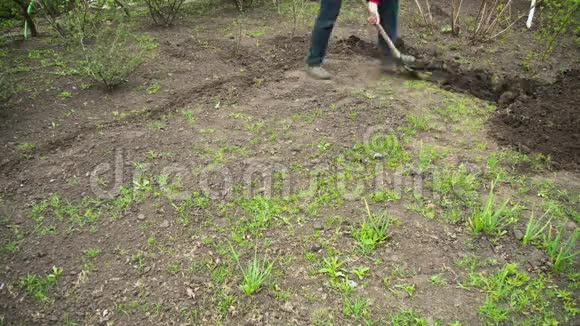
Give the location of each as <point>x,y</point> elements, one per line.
<point>24,6</point>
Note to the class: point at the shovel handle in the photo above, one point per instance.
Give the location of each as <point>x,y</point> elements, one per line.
<point>394,51</point>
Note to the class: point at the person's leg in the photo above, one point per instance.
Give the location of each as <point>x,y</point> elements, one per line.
<point>388,11</point>
<point>329,10</point>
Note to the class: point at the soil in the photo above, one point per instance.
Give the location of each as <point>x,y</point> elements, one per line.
<point>531,117</point>
<point>547,121</point>
<point>254,109</point>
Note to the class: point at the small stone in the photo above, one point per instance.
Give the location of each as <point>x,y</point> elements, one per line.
<point>141,217</point>
<point>537,259</point>
<point>352,284</point>
<point>315,248</point>
<point>518,234</point>
<point>317,226</point>
<point>164,224</point>
<point>378,156</point>
<point>571,226</point>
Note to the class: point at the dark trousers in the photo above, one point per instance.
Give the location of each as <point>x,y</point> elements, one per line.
<point>329,10</point>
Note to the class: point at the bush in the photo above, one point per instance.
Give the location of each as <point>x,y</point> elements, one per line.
<point>81,23</point>
<point>114,55</point>
<point>164,12</point>
<point>558,17</point>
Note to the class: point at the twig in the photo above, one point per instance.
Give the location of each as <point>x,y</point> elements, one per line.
<point>510,25</point>
<point>455,15</point>
<point>480,16</point>
<point>494,22</point>
<point>421,11</point>
<point>429,12</point>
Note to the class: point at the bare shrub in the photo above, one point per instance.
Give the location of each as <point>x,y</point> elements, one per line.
<point>491,16</point>
<point>456,10</point>
<point>426,15</point>
<point>164,12</point>
<point>242,4</point>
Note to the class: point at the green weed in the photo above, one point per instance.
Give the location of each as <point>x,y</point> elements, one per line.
<point>80,214</point>
<point>419,123</point>
<point>360,272</point>
<point>456,184</point>
<point>220,273</point>
<point>92,252</point>
<point>562,253</point>
<point>512,294</point>
<point>261,211</point>
<point>153,88</point>
<point>26,150</point>
<point>427,154</point>
<point>224,302</point>
<point>387,147</point>
<point>196,201</point>
<point>64,95</point>
<point>13,246</point>
<point>332,266</point>
<point>407,317</point>
<point>534,228</point>
<point>355,308</point>
<point>188,115</point>
<point>323,146</point>
<point>408,288</point>
<point>38,286</point>
<point>422,206</point>
<point>437,280</point>
<point>373,231</point>
<point>382,196</point>
<point>173,269</point>
<point>416,84</point>
<point>254,273</point>
<point>139,259</point>
<point>490,219</point>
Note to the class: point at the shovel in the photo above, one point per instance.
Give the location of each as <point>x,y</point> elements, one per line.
<point>405,60</point>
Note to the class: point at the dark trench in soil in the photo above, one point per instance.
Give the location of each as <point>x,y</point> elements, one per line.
<point>530,116</point>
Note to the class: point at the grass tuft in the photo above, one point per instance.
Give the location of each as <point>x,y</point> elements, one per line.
<point>407,317</point>
<point>355,308</point>
<point>491,220</point>
<point>254,273</point>
<point>37,286</point>
<point>562,253</point>
<point>534,228</point>
<point>373,231</point>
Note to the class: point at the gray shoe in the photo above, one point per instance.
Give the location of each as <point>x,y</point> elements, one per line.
<point>318,72</point>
